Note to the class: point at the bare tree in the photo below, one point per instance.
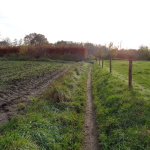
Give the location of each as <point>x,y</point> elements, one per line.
<point>8,41</point>
<point>15,42</point>
<point>20,42</point>
<point>5,42</point>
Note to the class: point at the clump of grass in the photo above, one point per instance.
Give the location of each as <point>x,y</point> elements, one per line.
<point>54,120</point>
<point>122,114</point>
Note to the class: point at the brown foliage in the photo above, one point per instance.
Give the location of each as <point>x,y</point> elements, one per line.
<point>45,51</point>
<point>8,50</point>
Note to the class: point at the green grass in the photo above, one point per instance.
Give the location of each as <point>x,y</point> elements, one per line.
<point>141,74</point>
<point>122,114</point>
<point>20,69</point>
<point>54,121</point>
<point>11,71</point>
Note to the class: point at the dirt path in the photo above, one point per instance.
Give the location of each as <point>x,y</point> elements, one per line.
<point>15,101</point>
<point>90,141</point>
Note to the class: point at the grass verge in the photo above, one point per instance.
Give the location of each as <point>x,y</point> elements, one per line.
<point>140,74</point>
<point>54,120</point>
<point>122,114</point>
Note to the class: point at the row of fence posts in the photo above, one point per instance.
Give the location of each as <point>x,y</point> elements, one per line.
<point>129,72</point>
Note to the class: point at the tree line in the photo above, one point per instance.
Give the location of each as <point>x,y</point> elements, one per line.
<point>35,39</point>
<point>111,51</point>
<point>35,46</point>
<point>93,51</point>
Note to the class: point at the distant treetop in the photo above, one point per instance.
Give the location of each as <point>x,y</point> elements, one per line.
<point>35,39</point>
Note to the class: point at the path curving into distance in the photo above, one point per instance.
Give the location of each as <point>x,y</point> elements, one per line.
<point>90,134</point>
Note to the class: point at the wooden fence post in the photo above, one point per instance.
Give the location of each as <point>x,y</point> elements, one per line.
<point>130,72</point>
<point>102,62</point>
<point>110,65</point>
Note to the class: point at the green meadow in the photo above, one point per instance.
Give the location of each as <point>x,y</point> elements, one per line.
<point>122,114</point>
<point>140,74</point>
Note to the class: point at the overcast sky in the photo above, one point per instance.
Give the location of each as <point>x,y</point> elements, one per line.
<point>96,21</point>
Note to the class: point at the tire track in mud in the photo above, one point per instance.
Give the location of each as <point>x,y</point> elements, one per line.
<point>90,134</point>
<point>9,103</point>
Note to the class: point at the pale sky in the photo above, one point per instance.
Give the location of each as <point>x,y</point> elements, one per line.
<point>96,21</point>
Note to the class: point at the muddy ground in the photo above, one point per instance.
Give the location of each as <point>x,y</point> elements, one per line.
<point>15,98</point>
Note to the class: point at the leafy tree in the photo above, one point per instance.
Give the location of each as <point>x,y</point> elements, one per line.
<point>143,48</point>
<point>92,49</point>
<point>144,53</point>
<point>99,53</point>
<point>35,39</point>
<point>67,44</point>
<point>61,43</point>
<point>104,50</point>
<point>110,47</point>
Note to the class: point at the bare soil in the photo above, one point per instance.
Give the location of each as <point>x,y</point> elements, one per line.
<point>13,100</point>
<point>90,134</point>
